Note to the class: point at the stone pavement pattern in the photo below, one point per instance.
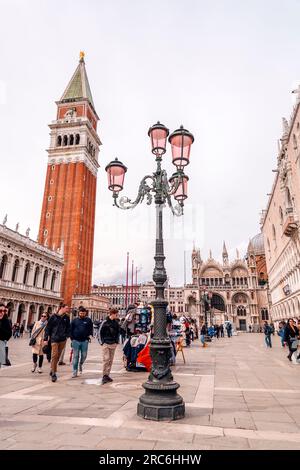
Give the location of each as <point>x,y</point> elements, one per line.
<point>238,395</point>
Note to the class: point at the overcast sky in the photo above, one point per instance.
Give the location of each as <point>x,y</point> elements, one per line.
<point>223,69</point>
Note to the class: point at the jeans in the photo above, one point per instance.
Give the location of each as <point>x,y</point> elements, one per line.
<point>268,341</point>
<point>2,353</point>
<point>82,348</point>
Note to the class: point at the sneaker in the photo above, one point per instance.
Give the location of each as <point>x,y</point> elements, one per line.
<point>61,363</point>
<point>109,379</point>
<point>34,367</point>
<point>40,370</point>
<point>74,375</point>
<point>50,373</point>
<point>54,377</point>
<point>105,379</point>
<point>80,368</point>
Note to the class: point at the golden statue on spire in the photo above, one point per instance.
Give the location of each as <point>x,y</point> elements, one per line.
<point>81,55</point>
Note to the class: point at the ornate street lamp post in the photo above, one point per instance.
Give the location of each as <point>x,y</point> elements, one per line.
<point>160,400</point>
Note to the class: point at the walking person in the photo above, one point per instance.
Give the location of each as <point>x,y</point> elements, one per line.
<point>37,336</point>
<point>81,333</point>
<point>203,333</point>
<point>130,320</point>
<point>291,335</point>
<point>16,331</point>
<point>187,333</point>
<point>57,331</point>
<point>109,339</point>
<point>222,331</point>
<point>122,331</point>
<point>280,332</point>
<point>5,333</point>
<point>22,328</point>
<point>267,332</point>
<point>229,330</point>
<point>7,361</point>
<point>30,328</point>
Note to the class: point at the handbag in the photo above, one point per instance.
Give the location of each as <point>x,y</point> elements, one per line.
<point>46,349</point>
<point>32,340</point>
<point>294,343</point>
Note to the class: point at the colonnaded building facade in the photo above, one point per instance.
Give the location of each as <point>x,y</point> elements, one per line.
<point>238,290</point>
<point>281,223</point>
<point>30,276</point>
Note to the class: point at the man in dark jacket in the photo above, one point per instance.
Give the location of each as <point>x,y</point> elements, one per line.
<point>5,333</point>
<point>57,331</point>
<point>267,332</point>
<point>81,332</point>
<point>109,338</point>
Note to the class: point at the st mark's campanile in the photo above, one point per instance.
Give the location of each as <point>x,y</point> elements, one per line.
<point>68,211</point>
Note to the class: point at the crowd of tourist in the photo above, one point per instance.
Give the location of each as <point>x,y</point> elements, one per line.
<point>289,336</point>
<point>48,337</point>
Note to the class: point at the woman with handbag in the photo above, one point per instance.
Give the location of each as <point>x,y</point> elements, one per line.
<point>37,342</point>
<point>291,336</point>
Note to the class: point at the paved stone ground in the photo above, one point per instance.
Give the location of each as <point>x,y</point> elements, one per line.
<point>238,395</point>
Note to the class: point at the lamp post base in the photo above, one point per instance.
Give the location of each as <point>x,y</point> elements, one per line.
<point>161,402</point>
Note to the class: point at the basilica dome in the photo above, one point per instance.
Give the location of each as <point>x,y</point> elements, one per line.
<point>256,244</point>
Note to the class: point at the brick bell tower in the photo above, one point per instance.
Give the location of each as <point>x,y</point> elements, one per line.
<point>68,212</point>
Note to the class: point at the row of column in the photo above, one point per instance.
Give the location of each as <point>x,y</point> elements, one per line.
<point>21,271</point>
<point>26,312</point>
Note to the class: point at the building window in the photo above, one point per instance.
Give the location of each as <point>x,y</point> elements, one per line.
<point>45,278</point>
<point>45,232</point>
<point>77,139</point>
<point>280,215</point>
<point>26,273</point>
<point>15,270</point>
<point>288,199</point>
<point>71,139</point>
<point>53,167</point>
<point>274,236</point>
<point>295,142</point>
<point>48,215</point>
<point>58,143</point>
<point>51,181</point>
<point>264,314</point>
<point>241,311</point>
<point>3,266</point>
<point>65,140</point>
<point>36,276</point>
<point>49,198</point>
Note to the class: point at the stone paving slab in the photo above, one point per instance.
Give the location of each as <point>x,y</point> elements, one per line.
<point>234,400</point>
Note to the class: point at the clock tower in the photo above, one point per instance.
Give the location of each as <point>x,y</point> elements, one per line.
<point>68,211</point>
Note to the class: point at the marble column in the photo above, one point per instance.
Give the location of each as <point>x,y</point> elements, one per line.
<point>14,313</point>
